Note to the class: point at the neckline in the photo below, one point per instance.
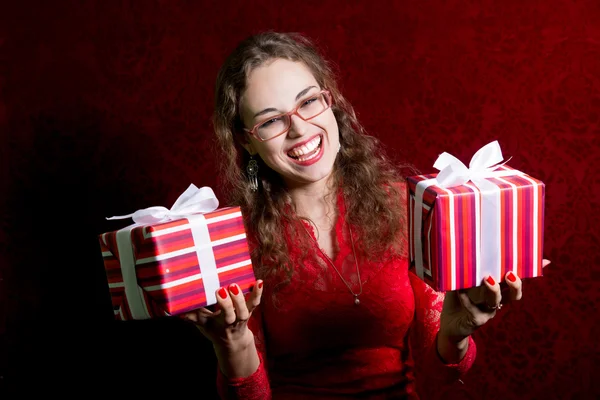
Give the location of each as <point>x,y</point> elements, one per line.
<point>338,244</point>
<point>340,240</point>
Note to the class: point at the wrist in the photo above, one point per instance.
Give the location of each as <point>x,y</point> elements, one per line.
<point>452,339</point>
<point>451,349</point>
<point>238,359</point>
<point>232,347</point>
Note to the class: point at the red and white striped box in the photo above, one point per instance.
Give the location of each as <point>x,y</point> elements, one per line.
<point>463,233</point>
<point>172,267</point>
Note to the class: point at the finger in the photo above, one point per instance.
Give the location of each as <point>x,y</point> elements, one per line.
<point>515,285</point>
<point>208,313</point>
<point>545,263</point>
<point>466,302</point>
<point>189,316</point>
<point>213,308</point>
<point>492,292</point>
<point>254,298</point>
<point>477,294</point>
<point>205,314</point>
<point>226,305</point>
<point>196,315</point>
<point>505,292</point>
<point>239,302</point>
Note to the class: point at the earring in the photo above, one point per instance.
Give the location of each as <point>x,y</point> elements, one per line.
<point>252,170</point>
<point>339,147</point>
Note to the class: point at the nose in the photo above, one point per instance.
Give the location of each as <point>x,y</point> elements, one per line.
<point>298,126</point>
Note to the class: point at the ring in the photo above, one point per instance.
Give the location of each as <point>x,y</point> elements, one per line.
<point>487,308</point>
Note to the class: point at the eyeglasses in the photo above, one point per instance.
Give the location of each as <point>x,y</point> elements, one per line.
<point>279,124</point>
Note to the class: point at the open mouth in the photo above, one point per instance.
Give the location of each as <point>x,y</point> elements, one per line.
<point>307,151</point>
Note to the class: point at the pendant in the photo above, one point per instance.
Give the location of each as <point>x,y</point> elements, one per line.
<point>356,300</point>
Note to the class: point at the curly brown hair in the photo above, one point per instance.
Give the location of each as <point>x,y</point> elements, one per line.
<point>369,181</point>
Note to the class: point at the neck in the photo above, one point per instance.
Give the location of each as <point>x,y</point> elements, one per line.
<point>315,201</point>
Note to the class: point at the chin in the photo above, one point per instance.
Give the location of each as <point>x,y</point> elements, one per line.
<point>321,174</point>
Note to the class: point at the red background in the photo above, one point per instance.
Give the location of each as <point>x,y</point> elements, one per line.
<point>105,107</point>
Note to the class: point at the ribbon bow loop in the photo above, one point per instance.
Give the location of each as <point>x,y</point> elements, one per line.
<point>454,173</point>
<point>192,201</point>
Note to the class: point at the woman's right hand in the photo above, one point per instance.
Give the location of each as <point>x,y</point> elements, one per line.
<point>227,326</point>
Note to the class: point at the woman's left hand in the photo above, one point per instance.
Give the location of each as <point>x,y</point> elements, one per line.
<point>465,311</point>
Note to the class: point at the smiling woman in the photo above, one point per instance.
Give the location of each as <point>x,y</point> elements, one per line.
<point>272,73</point>
<point>336,312</point>
<point>281,138</point>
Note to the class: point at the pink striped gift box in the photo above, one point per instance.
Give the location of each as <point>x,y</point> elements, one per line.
<point>176,266</point>
<point>466,233</point>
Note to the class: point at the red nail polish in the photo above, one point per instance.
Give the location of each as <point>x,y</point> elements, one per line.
<point>234,289</point>
<point>223,293</point>
<point>491,280</point>
<point>511,277</point>
<point>260,285</point>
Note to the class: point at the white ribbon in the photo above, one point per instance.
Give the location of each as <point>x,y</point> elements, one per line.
<point>453,172</point>
<point>192,201</point>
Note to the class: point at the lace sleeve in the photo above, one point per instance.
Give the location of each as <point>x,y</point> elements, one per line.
<point>255,386</point>
<point>430,370</point>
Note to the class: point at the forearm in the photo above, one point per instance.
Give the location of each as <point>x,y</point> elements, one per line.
<point>239,362</point>
<point>452,351</point>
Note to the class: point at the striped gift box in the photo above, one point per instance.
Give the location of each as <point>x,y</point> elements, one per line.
<point>467,233</point>
<point>172,267</point>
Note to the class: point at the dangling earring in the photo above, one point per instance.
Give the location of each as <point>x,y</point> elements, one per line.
<point>339,147</point>
<point>252,170</point>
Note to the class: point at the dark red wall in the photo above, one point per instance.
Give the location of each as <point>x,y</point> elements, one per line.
<point>105,106</point>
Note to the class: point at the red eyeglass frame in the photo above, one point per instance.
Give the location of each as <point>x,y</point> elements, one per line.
<point>254,134</point>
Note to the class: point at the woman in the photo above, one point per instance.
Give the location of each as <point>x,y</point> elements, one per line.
<point>340,315</point>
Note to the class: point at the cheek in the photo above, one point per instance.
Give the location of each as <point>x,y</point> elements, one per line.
<point>269,152</point>
<point>332,125</point>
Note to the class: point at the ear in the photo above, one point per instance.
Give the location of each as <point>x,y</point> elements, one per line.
<point>247,144</point>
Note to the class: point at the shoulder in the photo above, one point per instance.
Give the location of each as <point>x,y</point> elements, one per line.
<point>398,186</point>
<point>398,191</point>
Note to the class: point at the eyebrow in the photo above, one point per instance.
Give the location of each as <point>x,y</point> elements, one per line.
<point>271,109</point>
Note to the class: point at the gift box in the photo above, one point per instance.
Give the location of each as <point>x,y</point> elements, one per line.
<point>172,261</point>
<point>467,223</point>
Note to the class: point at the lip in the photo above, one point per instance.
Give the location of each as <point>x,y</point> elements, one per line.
<point>303,143</point>
<point>312,160</point>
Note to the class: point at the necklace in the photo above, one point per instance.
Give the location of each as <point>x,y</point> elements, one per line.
<point>356,299</point>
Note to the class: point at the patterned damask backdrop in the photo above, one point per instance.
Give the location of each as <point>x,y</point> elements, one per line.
<point>105,107</point>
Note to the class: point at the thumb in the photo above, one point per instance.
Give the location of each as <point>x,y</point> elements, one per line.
<point>477,294</point>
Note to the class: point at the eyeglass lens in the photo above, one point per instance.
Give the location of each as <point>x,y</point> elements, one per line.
<point>309,108</point>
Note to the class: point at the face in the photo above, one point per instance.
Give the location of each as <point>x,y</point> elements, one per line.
<point>306,153</point>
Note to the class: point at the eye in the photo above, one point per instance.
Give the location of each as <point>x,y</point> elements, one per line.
<point>309,101</point>
<point>269,122</point>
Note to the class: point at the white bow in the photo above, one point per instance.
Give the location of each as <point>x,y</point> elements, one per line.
<point>192,201</point>
<point>483,163</point>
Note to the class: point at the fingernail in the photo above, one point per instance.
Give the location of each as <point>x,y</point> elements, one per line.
<point>260,285</point>
<point>511,277</point>
<point>223,293</point>
<point>491,280</point>
<point>234,289</point>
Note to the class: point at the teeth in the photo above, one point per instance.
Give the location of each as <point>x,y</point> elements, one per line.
<point>305,149</point>
<point>313,155</point>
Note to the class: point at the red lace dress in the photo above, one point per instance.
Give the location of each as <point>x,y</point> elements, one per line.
<point>315,343</point>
